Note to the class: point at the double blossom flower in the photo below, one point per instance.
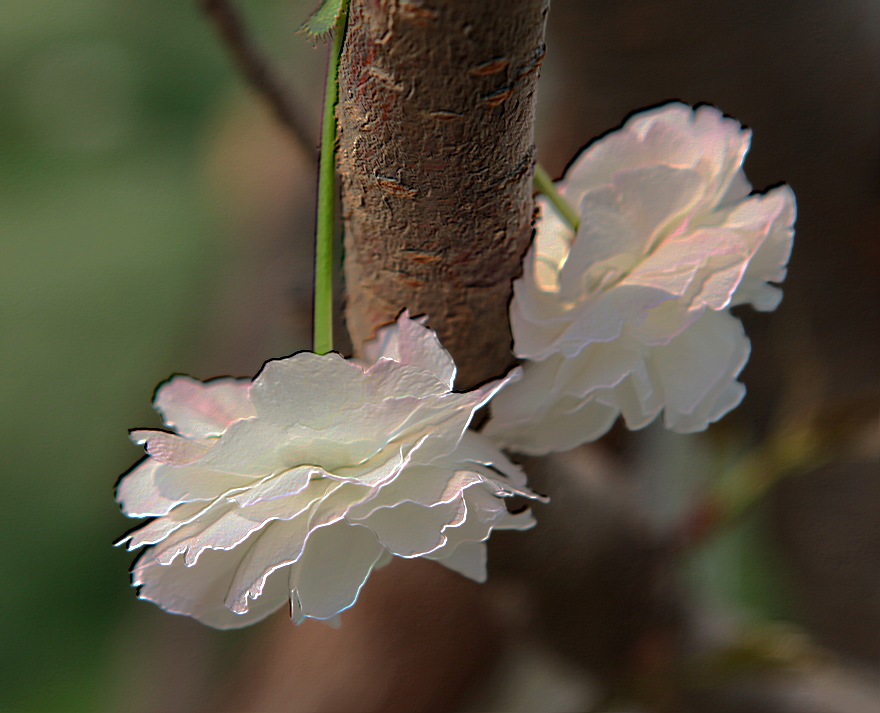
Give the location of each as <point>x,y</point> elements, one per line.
<point>629,315</point>
<point>295,486</point>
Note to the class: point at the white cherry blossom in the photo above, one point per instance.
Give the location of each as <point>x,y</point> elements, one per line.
<point>295,486</point>
<point>630,316</point>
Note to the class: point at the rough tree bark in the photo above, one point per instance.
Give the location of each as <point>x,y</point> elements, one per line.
<point>436,153</point>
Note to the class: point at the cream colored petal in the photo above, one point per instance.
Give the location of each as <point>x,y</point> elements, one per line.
<point>199,591</point>
<point>467,558</point>
<point>422,485</point>
<point>188,483</point>
<point>280,485</point>
<point>279,545</point>
<point>478,449</point>
<point>162,527</point>
<point>138,494</point>
<point>308,389</point>
<point>225,525</point>
<point>331,572</point>
<point>412,530</point>
<point>722,399</point>
<point>713,351</point>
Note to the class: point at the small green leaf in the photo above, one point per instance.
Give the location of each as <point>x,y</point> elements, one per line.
<point>322,20</point>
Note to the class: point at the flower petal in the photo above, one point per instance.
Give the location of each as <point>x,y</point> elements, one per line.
<point>410,343</point>
<point>412,530</point>
<point>169,448</point>
<point>280,544</point>
<point>467,558</point>
<point>199,591</point>
<point>202,409</point>
<point>774,215</point>
<point>298,390</point>
<point>674,134</point>
<point>225,525</point>
<point>139,495</point>
<point>629,316</point>
<point>713,351</point>
<point>319,591</point>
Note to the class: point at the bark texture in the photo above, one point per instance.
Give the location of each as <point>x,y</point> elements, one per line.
<point>436,119</point>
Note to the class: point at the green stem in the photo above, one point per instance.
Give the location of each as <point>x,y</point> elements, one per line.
<point>322,338</point>
<point>544,184</point>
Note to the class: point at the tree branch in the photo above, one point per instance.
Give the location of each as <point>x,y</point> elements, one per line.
<point>436,153</point>
<point>230,28</point>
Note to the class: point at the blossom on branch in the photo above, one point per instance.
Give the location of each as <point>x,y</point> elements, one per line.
<point>295,486</point>
<point>630,315</point>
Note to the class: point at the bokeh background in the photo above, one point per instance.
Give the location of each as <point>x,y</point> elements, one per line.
<point>154,220</point>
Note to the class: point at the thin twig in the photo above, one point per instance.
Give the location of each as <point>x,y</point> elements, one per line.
<point>230,27</point>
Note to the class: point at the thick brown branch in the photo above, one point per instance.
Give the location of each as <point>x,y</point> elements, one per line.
<point>231,29</point>
<point>436,117</point>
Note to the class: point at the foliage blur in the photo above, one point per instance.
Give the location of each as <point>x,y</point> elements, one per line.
<point>154,221</point>
<point>115,252</point>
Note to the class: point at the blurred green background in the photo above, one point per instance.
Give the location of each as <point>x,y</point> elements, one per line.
<point>111,250</point>
<point>153,221</point>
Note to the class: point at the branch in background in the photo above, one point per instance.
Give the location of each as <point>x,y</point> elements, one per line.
<point>231,29</point>
<point>840,430</point>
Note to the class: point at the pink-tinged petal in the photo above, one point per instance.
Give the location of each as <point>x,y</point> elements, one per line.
<point>411,530</point>
<point>139,495</point>
<point>669,233</point>
<point>169,448</point>
<point>319,591</point>
<point>704,265</point>
<point>467,558</point>
<point>203,409</point>
<point>675,135</point>
<point>410,343</point>
<point>200,591</point>
<point>624,221</point>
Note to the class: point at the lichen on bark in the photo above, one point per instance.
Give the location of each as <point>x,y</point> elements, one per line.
<point>436,153</point>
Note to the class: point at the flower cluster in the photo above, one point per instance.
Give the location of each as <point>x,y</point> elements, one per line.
<point>297,485</point>
<point>629,315</point>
